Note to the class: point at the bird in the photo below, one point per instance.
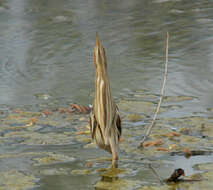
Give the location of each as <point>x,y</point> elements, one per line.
<point>105,121</point>
<point>175,175</point>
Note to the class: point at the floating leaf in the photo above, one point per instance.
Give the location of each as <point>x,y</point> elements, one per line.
<point>173,134</point>
<point>83,133</point>
<point>18,111</point>
<point>134,117</point>
<point>63,110</point>
<point>81,172</point>
<point>89,164</point>
<point>47,113</point>
<point>32,121</point>
<point>153,143</point>
<point>178,98</point>
<point>17,180</point>
<point>52,158</point>
<point>80,108</point>
<point>117,184</point>
<point>101,170</point>
<point>162,149</point>
<point>173,147</point>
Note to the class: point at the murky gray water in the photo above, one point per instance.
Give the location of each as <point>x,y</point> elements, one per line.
<point>46,47</point>
<point>46,56</point>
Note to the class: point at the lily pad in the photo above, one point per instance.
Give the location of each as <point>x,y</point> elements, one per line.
<point>81,172</point>
<point>53,158</point>
<point>205,167</point>
<point>162,187</point>
<point>134,117</point>
<point>119,184</point>
<point>178,98</point>
<point>16,180</point>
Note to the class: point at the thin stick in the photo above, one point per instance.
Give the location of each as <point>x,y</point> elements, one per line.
<point>161,94</point>
<point>153,170</point>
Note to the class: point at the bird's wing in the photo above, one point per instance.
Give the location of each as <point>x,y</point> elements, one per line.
<point>118,121</point>
<point>93,124</point>
<point>95,128</point>
<point>118,124</point>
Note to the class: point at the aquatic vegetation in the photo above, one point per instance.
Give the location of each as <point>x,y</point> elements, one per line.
<point>81,172</point>
<point>17,180</point>
<point>52,158</point>
<point>120,184</point>
<point>110,180</point>
<point>73,153</point>
<point>134,117</point>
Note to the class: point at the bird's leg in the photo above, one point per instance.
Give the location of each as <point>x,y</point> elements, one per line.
<point>114,163</point>
<point>114,154</point>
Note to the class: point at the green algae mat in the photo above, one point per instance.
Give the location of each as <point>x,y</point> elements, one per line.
<point>49,147</point>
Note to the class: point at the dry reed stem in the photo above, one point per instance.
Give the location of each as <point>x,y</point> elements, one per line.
<point>159,178</point>
<point>148,131</point>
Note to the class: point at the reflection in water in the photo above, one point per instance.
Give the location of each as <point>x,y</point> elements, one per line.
<point>110,179</point>
<point>46,47</point>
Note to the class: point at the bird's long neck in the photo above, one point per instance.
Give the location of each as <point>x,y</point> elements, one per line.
<point>104,104</point>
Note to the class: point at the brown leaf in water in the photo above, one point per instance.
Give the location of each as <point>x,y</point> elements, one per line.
<point>170,134</point>
<point>173,134</point>
<point>18,111</point>
<point>80,108</point>
<point>173,146</point>
<point>82,133</point>
<point>47,113</point>
<point>14,116</point>
<point>122,140</point>
<point>63,110</point>
<point>145,144</point>
<point>153,143</point>
<point>89,164</point>
<point>32,121</point>
<point>162,149</point>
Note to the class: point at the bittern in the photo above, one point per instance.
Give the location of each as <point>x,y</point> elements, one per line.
<point>105,122</point>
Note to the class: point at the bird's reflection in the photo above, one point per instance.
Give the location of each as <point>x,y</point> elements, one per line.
<point>110,178</point>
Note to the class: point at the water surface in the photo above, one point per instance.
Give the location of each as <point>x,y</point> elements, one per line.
<point>46,60</point>
<point>46,47</point>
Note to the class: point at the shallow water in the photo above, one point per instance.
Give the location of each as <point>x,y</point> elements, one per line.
<point>46,63</point>
<point>46,47</point>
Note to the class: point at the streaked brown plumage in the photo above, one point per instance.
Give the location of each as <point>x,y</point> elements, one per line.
<point>105,122</point>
